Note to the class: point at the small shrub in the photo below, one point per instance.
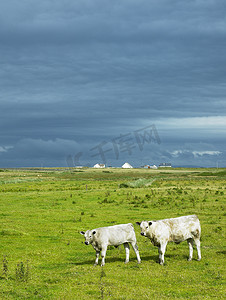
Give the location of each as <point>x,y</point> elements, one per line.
<point>123,185</point>
<point>107,194</point>
<point>179,191</point>
<point>5,267</point>
<point>102,274</point>
<point>22,271</point>
<point>77,220</point>
<point>218,229</point>
<point>106,201</point>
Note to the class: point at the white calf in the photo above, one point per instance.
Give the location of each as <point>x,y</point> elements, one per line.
<point>173,230</point>
<point>101,238</point>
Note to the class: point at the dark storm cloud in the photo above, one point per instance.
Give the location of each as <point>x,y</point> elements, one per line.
<point>101,20</point>
<point>86,71</point>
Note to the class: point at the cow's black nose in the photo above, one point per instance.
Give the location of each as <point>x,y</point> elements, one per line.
<point>142,233</point>
<point>87,243</point>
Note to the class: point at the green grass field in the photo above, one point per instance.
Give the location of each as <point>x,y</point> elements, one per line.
<point>43,256</point>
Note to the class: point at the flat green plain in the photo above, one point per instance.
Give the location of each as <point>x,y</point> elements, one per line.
<point>43,255</point>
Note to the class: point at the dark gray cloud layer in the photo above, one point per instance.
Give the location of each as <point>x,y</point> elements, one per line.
<point>76,73</point>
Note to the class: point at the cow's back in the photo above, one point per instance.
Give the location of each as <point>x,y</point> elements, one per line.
<point>116,234</point>
<point>183,228</point>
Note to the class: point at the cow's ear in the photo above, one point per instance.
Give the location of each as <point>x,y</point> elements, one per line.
<point>94,232</point>
<point>149,223</point>
<point>82,232</point>
<point>138,223</point>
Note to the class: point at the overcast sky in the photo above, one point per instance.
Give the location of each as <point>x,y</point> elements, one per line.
<point>90,81</point>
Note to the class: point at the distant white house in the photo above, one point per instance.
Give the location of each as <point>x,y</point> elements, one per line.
<point>127,166</point>
<point>99,166</point>
<point>153,167</point>
<point>150,167</point>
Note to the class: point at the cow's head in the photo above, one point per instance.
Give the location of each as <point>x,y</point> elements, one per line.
<point>89,235</point>
<point>144,227</point>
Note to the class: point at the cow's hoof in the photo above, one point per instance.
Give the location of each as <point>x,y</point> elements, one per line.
<point>126,262</point>
<point>189,259</point>
<point>198,259</point>
<point>139,262</point>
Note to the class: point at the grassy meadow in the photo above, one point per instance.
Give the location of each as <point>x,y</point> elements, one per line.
<point>43,255</point>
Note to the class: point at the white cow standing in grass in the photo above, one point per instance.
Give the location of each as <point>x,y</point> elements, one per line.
<point>101,238</point>
<point>173,230</point>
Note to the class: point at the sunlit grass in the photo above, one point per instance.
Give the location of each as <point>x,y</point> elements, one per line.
<point>42,254</point>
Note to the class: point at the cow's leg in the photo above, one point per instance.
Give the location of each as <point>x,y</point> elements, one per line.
<point>135,248</point>
<point>103,254</point>
<point>126,246</point>
<point>190,245</point>
<point>162,249</point>
<point>97,257</point>
<point>197,243</point>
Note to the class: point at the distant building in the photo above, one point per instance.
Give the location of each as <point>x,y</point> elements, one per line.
<point>165,165</point>
<point>99,166</point>
<point>127,166</point>
<point>153,167</point>
<point>150,167</point>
